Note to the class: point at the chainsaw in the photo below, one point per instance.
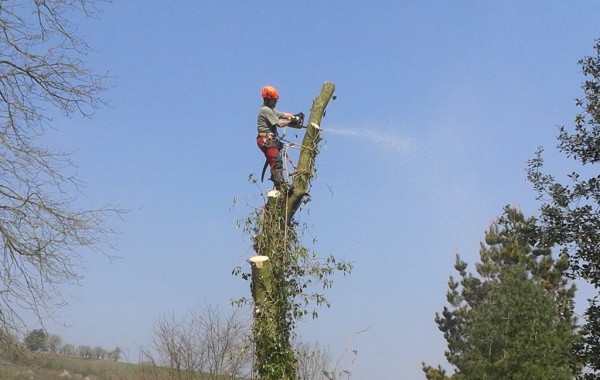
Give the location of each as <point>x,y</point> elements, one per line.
<point>297,120</point>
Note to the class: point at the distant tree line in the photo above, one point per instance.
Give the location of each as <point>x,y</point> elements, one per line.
<point>41,341</point>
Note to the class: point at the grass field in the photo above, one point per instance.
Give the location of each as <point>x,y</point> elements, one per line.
<point>56,367</point>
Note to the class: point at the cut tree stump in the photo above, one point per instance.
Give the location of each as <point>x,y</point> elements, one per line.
<point>261,282</point>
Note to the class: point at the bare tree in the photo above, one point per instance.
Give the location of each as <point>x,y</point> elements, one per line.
<point>168,346</point>
<point>42,71</point>
<point>208,341</point>
<point>53,343</point>
<point>224,342</point>
<point>68,350</point>
<point>99,352</point>
<point>313,360</point>
<point>84,352</point>
<point>115,354</point>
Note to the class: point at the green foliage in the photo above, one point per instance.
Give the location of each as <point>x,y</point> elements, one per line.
<point>516,332</point>
<point>437,373</point>
<point>590,350</point>
<point>570,213</point>
<point>36,341</point>
<point>286,287</point>
<point>514,318</point>
<point>299,279</point>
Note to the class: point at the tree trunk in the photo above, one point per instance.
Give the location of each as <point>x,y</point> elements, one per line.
<point>261,282</point>
<point>272,300</point>
<point>305,169</point>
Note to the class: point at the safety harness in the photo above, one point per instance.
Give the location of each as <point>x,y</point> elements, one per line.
<point>275,137</point>
<point>296,122</point>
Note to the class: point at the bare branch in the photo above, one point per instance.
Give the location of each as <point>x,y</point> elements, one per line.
<point>41,232</point>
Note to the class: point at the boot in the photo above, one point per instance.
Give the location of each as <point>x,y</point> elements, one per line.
<point>279,181</point>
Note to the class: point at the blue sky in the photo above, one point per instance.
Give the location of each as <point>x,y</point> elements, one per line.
<point>439,106</point>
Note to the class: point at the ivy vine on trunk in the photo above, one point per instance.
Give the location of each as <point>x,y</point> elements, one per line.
<point>287,278</point>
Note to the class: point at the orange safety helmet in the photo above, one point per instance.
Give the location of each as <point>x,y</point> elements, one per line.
<point>269,92</point>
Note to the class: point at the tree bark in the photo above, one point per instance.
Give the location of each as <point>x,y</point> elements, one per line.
<point>261,282</point>
<point>305,168</point>
<point>272,301</point>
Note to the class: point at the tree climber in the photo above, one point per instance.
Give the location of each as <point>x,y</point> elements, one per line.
<point>268,139</point>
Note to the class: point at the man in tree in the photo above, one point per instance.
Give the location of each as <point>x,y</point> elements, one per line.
<point>268,139</point>
<point>285,272</point>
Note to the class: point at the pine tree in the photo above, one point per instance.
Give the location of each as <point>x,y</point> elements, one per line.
<point>36,341</point>
<point>513,319</point>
